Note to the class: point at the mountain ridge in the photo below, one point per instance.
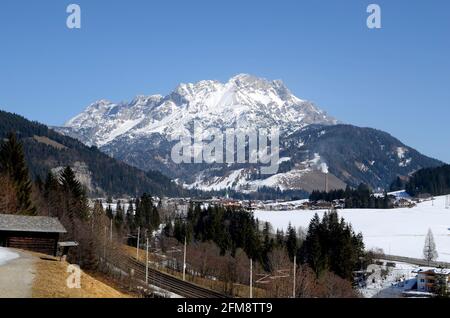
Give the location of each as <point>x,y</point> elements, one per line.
<point>313,145</point>
<point>243,101</point>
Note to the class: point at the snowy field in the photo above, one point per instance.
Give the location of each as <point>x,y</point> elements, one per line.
<point>397,231</point>
<point>6,255</point>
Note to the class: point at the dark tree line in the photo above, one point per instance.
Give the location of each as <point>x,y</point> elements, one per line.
<point>230,229</point>
<point>329,245</point>
<point>359,198</point>
<point>434,181</point>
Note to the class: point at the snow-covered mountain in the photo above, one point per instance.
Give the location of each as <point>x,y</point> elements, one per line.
<point>244,101</point>
<point>314,147</point>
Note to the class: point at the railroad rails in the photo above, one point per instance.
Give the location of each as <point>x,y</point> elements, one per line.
<point>163,280</point>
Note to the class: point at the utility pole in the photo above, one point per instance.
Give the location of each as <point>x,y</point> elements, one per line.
<point>295,272</point>
<point>104,245</point>
<point>110,230</point>
<point>251,278</point>
<point>326,182</point>
<point>146,263</point>
<point>184,259</point>
<point>137,244</point>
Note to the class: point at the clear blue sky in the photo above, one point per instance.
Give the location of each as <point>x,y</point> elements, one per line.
<point>396,79</point>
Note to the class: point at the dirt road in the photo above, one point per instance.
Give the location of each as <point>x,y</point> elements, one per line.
<point>16,275</point>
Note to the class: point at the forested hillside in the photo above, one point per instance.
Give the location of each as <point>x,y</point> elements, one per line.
<point>434,181</point>
<point>46,149</point>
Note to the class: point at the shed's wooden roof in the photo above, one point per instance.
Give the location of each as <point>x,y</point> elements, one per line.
<point>23,223</point>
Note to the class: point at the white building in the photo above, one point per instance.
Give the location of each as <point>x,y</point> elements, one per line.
<point>429,278</point>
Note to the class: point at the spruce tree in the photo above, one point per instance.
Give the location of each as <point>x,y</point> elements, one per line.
<point>53,196</point>
<point>168,228</point>
<point>138,215</point>
<point>430,253</point>
<point>98,215</point>
<point>13,164</point>
<point>291,242</point>
<point>77,205</point>
<point>119,217</point>
<point>130,217</point>
<point>109,212</point>
<point>51,184</point>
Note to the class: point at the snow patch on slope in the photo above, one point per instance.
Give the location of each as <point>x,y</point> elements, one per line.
<point>7,255</point>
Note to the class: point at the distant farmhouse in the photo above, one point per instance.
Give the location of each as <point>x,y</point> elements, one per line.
<point>34,233</point>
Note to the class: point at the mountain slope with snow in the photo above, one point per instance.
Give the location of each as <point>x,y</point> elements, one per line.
<point>244,101</point>
<point>316,151</point>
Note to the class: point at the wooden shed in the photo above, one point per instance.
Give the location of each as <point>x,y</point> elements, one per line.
<point>33,233</point>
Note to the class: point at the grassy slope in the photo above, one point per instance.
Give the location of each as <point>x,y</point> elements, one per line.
<point>50,282</point>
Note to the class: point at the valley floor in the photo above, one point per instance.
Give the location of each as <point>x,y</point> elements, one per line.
<point>397,231</point>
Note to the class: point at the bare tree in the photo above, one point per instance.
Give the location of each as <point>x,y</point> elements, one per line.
<point>280,276</point>
<point>429,250</point>
<point>306,283</point>
<point>332,286</point>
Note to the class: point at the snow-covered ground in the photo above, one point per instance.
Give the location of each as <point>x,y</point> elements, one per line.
<point>6,255</point>
<point>397,231</point>
<point>389,282</point>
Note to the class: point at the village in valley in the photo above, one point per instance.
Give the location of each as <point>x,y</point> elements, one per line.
<point>407,273</point>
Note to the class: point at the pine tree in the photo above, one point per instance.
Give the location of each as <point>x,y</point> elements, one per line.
<point>178,230</point>
<point>51,184</point>
<point>430,253</point>
<point>291,242</point>
<point>109,212</point>
<point>149,213</point>
<point>130,217</point>
<point>279,238</point>
<point>12,163</point>
<point>268,242</point>
<point>77,205</point>
<point>138,215</point>
<point>98,215</point>
<point>168,228</point>
<point>53,196</point>
<point>119,217</point>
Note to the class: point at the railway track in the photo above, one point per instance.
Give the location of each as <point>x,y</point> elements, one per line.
<point>166,281</point>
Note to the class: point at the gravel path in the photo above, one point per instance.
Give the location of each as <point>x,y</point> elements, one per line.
<point>16,276</point>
